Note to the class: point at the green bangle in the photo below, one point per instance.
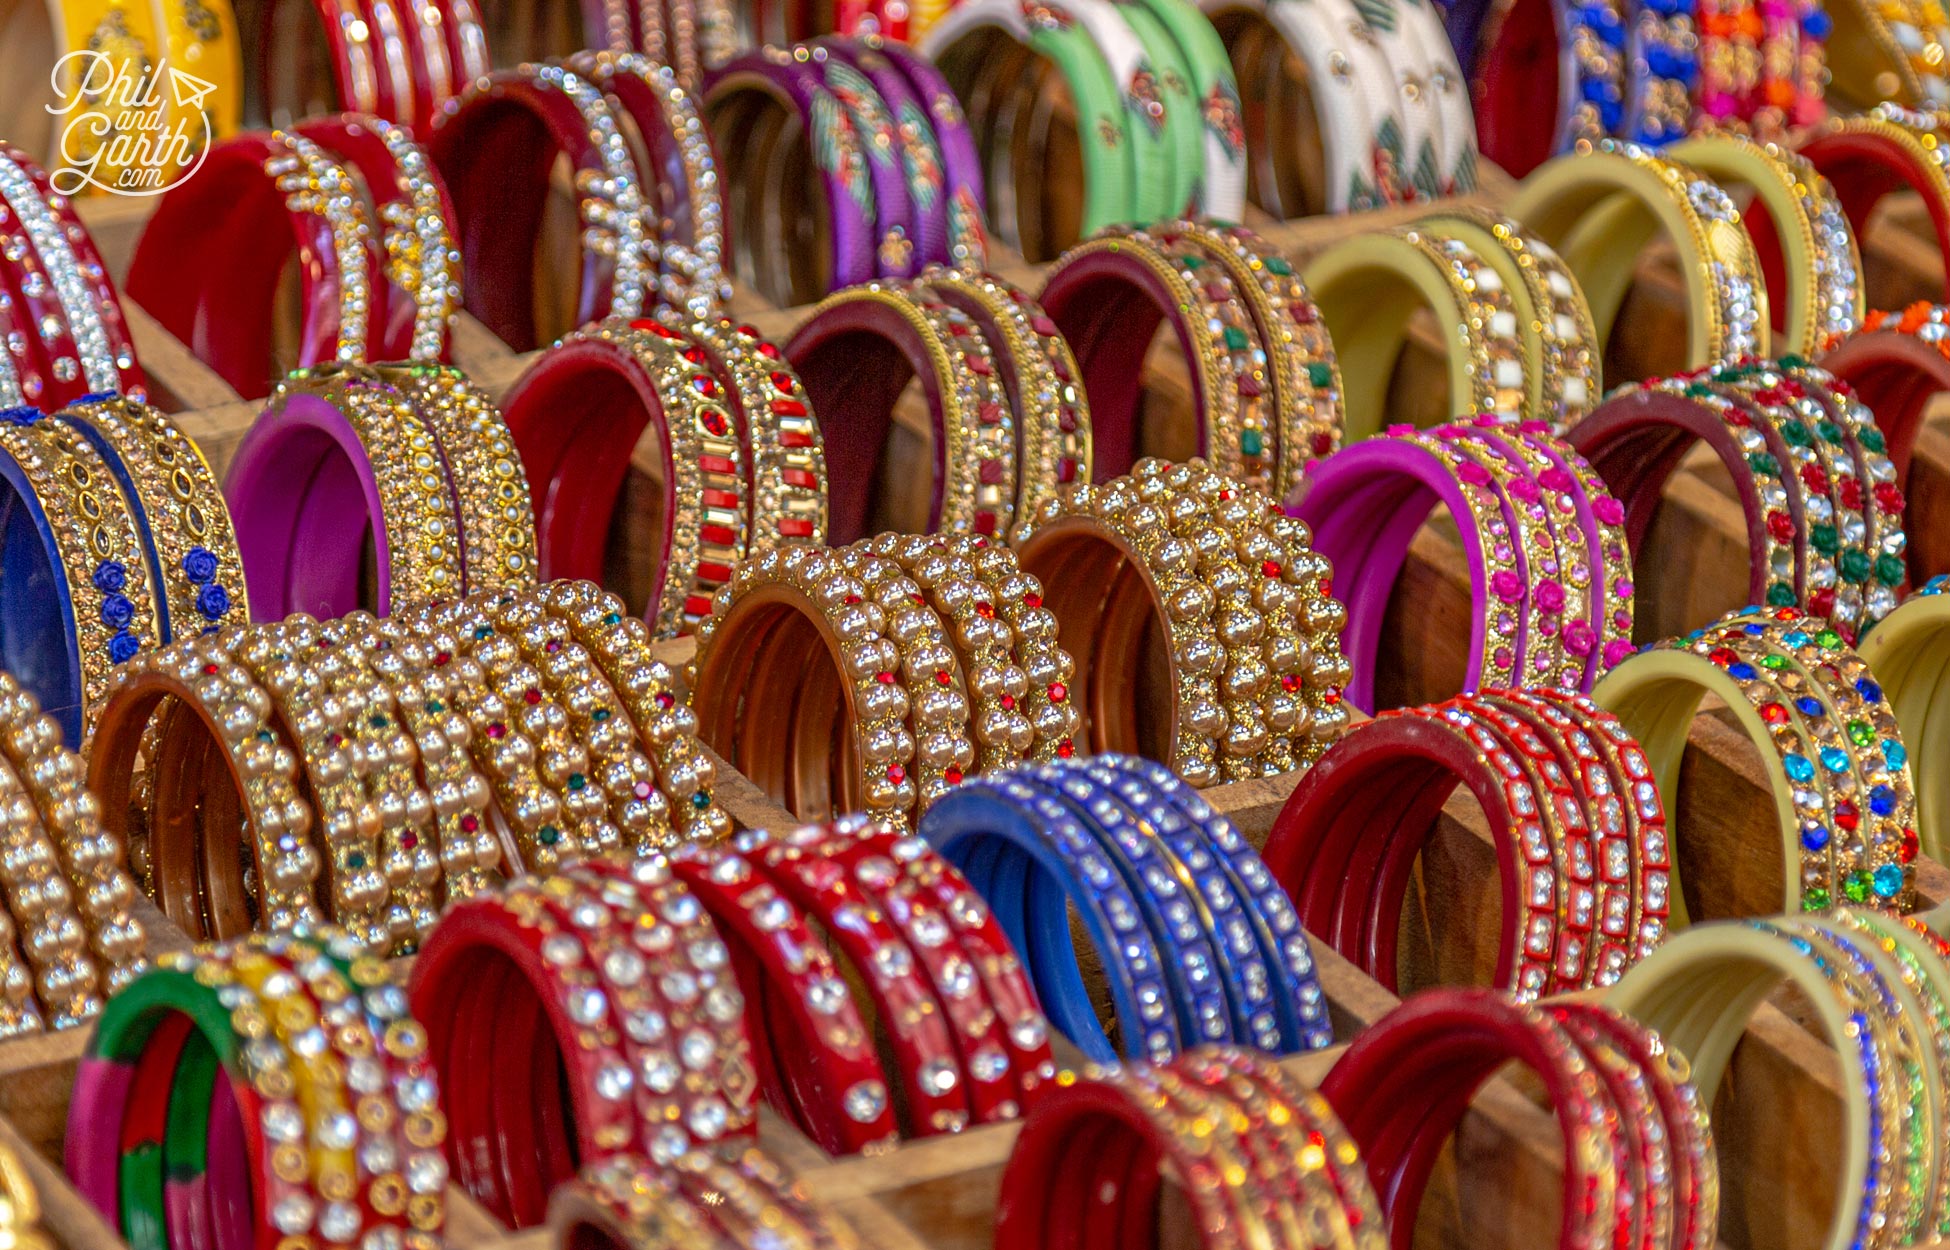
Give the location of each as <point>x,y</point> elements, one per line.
<point>1172,82</point>
<point>1103,127</point>
<point>1219,192</point>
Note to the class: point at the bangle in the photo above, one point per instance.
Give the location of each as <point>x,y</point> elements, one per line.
<point>1368,287</point>
<point>179,511</point>
<point>52,960</point>
<point>689,209</point>
<point>1815,289</point>
<point>1115,558</point>
<point>1438,139</point>
<point>1295,361</point>
<point>622,1203</point>
<point>944,138</point>
<point>1879,52</point>
<point>91,857</point>
<point>1220,169</point>
<point>525,118</point>
<point>81,285</point>
<point>1865,157</point>
<point>797,601</point>
<point>1253,1150</point>
<point>616,378</point>
<point>90,559</point>
<point>825,1074</point>
<point>1448,1042</point>
<point>856,353</point>
<point>1037,373</point>
<point>1835,851</point>
<point>367,460</point>
<point>1700,990</point>
<point>1584,882</point>
<point>1562,351</point>
<point>412,217</point>
<point>975,32</point>
<point>1573,204</point>
<point>751,1200</point>
<point>1894,363</point>
<point>252,181</point>
<point>1524,620</point>
<point>1895,650</point>
<point>1107,298</point>
<point>1587,44</point>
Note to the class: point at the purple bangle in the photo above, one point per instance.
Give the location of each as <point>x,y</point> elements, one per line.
<point>895,221</point>
<point>967,203</point>
<point>918,150</point>
<point>303,494</point>
<point>1364,504</point>
<point>1463,19</point>
<point>837,153</point>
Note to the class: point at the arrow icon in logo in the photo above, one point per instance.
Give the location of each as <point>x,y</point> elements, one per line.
<point>188,88</point>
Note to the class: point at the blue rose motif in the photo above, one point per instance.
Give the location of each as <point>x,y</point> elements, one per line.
<point>122,647</point>
<point>213,601</point>
<point>117,611</point>
<point>97,397</point>
<point>200,565</point>
<point>110,576</point>
<point>25,414</point>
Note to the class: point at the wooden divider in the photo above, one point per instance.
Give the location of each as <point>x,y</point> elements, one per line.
<point>1497,1188</point>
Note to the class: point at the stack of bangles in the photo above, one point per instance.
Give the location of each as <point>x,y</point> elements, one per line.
<point>744,462</point>
<point>1631,1111</point>
<point>1901,654</point>
<point>410,462</point>
<point>624,1202</point>
<point>272,1089</point>
<point>897,184</point>
<point>693,37</point>
<point>912,663</point>
<point>1520,338</point>
<point>1548,563</point>
<point>366,771</point>
<point>61,330</point>
<point>355,199</point>
<point>116,540</point>
<point>1258,1158</point>
<point>1874,987</point>
<point>1264,379</point>
<point>1827,739</point>
<point>1575,821</point>
<point>1813,473</point>
<point>401,61</point>
<point>1196,941</point>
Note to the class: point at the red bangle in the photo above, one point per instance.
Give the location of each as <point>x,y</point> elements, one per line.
<point>576,414</point>
<point>1896,363</point>
<point>1403,1084</point>
<point>92,287</point>
<point>1863,164</point>
<point>495,147</point>
<point>251,201</point>
<point>822,1071</point>
<point>415,306</point>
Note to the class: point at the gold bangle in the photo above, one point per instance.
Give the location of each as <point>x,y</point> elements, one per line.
<point>490,490</point>
<point>197,565</point>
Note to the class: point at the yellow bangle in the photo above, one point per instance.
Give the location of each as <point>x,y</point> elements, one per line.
<point>1569,203</point>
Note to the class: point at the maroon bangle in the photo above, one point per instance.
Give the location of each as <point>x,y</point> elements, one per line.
<point>1404,1083</point>
<point>1863,167</point>
<point>251,202</point>
<point>494,147</point>
<point>1893,369</point>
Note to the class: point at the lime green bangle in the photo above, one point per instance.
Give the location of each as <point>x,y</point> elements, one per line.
<point>1219,192</point>
<point>1172,83</point>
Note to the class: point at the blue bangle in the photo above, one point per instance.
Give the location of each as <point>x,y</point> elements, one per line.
<point>1184,929</point>
<point>1275,925</point>
<point>1027,854</point>
<point>39,642</point>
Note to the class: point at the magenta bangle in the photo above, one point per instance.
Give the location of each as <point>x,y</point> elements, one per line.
<point>1533,620</point>
<point>966,202</point>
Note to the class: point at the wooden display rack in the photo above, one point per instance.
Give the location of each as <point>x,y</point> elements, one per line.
<point>1779,1112</point>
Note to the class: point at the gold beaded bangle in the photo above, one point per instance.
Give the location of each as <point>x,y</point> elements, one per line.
<point>598,720</point>
<point>1297,359</point>
<point>483,469</point>
<point>320,729</point>
<point>1052,416</point>
<point>454,790</point>
<point>42,908</point>
<point>930,670</point>
<point>95,533</point>
<point>422,546</point>
<point>1018,601</point>
<point>632,1205</point>
<point>812,582</point>
<point>619,643</point>
<point>91,857</point>
<point>181,512</point>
